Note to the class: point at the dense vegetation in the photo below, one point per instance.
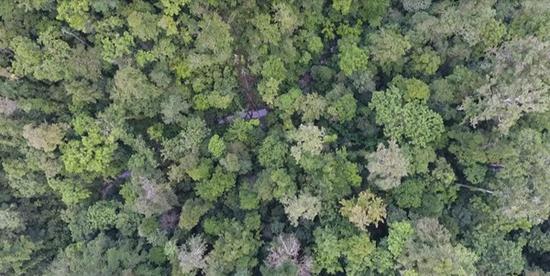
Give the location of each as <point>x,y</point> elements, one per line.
<point>243,137</point>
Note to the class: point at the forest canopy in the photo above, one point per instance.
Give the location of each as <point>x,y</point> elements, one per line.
<point>250,137</point>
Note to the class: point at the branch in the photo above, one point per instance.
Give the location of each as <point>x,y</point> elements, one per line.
<point>476,189</point>
<point>65,31</point>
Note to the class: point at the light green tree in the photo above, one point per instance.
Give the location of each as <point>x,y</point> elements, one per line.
<point>364,210</point>
<point>387,165</point>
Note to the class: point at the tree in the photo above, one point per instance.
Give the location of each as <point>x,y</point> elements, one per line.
<point>400,234</point>
<point>351,57</point>
<point>183,149</point>
<point>273,73</point>
<point>425,62</point>
<point>220,182</point>
<point>15,254</point>
<point>45,137</point>
<point>358,254</point>
<point>530,19</point>
<point>517,84</point>
<point>273,152</point>
<point>430,252</point>
<point>135,93</point>
<point>93,153</point>
<point>143,25</point>
<point>102,255</point>
<point>309,140</point>
<point>75,13</point>
<point>82,93</point>
<point>191,213</point>
<point>519,186</point>
<point>27,56</point>
<point>288,103</point>
<point>387,166</point>
<point>327,251</point>
<point>413,121</point>
<point>10,220</point>
<point>342,5</point>
<point>312,107</point>
<point>416,5</point>
<point>409,194</point>
<point>356,137</point>
<point>387,47</point>
<point>153,197</point>
<point>287,17</point>
<point>102,215</point>
<point>243,130</point>
<point>173,7</point>
<point>276,184</point>
<point>216,146</point>
<point>7,106</point>
<point>303,206</point>
<point>234,250</point>
<point>498,255</point>
<point>539,240</point>
<point>213,42</point>
<point>342,105</point>
<point>474,24</point>
<point>116,46</point>
<point>285,251</point>
<point>364,210</point>
<point>333,176</point>
<point>191,255</point>
<point>71,190</point>
<point>448,93</point>
<point>49,58</point>
<point>413,89</point>
<point>56,53</point>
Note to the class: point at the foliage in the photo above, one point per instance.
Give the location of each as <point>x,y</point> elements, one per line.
<point>358,254</point>
<point>74,13</point>
<point>413,122</point>
<point>273,152</point>
<point>234,250</point>
<point>284,254</point>
<point>387,47</point>
<point>102,215</point>
<point>216,146</point>
<point>179,137</point>
<point>431,252</point>
<point>366,209</point>
<point>153,197</point>
<point>102,255</point>
<point>191,255</point>
<point>44,137</point>
<point>351,58</point>
<point>213,188</point>
<point>135,93</point>
<point>498,255</point>
<point>400,233</point>
<point>387,166</point>
<point>304,206</point>
<point>93,153</point>
<point>518,84</point>
<point>416,5</point>
<point>328,250</point>
<point>309,140</point>
<point>191,212</point>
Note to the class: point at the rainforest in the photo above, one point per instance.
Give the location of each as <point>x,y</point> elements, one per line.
<point>283,137</point>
